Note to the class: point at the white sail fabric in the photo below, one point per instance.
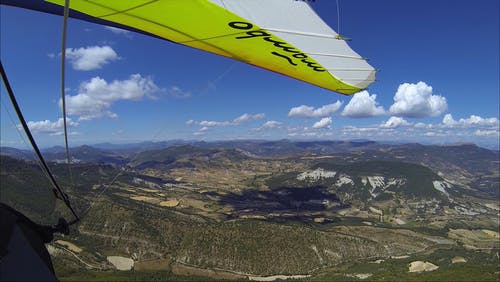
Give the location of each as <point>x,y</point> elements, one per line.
<point>297,23</point>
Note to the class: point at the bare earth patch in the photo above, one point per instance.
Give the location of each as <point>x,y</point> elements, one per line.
<point>121,263</point>
<point>399,221</point>
<point>150,190</point>
<point>361,276</point>
<point>476,239</point>
<point>458,259</point>
<point>419,266</point>
<point>72,247</point>
<point>493,206</point>
<point>275,277</point>
<point>170,203</point>
<point>491,233</point>
<point>377,211</point>
<point>145,199</point>
<point>399,257</point>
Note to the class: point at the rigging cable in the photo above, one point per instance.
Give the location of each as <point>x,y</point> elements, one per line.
<point>210,84</point>
<point>21,137</point>
<point>338,18</point>
<point>58,192</point>
<point>63,88</point>
<point>4,104</point>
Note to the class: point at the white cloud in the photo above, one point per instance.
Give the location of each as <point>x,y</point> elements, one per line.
<point>472,121</point>
<point>422,125</point>
<point>198,133</point>
<point>201,131</point>
<point>394,122</point>
<point>354,129</point>
<point>324,122</point>
<point>177,92</point>
<point>244,118</point>
<point>487,132</point>
<point>95,97</point>
<point>476,129</point>
<point>416,100</point>
<point>362,105</point>
<point>49,127</point>
<point>214,123</point>
<point>271,124</point>
<point>117,30</point>
<point>310,112</point>
<point>449,121</point>
<point>90,58</point>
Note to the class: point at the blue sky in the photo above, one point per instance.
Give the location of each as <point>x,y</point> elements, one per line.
<point>438,81</point>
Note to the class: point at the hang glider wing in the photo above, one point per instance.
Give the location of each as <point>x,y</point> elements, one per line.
<point>284,36</point>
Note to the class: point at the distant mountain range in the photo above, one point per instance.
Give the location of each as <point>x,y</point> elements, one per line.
<point>92,153</point>
<point>264,207</point>
<point>462,164</point>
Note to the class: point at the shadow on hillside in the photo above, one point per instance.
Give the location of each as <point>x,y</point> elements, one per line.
<point>284,202</point>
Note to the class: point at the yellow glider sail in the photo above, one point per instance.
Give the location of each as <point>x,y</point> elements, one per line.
<point>284,36</point>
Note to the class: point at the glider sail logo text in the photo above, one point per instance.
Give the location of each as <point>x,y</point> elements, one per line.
<point>283,46</point>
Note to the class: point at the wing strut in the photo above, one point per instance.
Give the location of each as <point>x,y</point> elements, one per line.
<point>58,192</point>
<point>63,88</point>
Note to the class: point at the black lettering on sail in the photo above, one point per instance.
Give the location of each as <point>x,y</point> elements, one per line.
<point>300,56</point>
<point>241,25</point>
<point>313,65</point>
<point>284,57</point>
<point>281,45</point>
<point>254,33</point>
<point>278,44</point>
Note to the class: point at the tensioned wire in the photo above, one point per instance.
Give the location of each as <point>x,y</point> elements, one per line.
<point>68,158</point>
<point>21,137</point>
<point>63,88</point>
<point>57,189</point>
<point>154,136</point>
<point>338,17</point>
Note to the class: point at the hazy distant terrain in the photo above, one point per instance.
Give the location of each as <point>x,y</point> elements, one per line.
<point>332,210</point>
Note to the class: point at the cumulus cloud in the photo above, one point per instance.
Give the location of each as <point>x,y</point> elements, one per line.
<point>214,123</point>
<point>476,129</point>
<point>310,112</point>
<point>244,118</point>
<point>323,123</point>
<point>90,58</point>
<point>96,96</point>
<point>201,131</point>
<point>394,122</point>
<point>271,124</point>
<point>49,127</point>
<point>449,121</point>
<point>417,100</point>
<point>487,132</point>
<point>363,105</point>
<point>472,121</point>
